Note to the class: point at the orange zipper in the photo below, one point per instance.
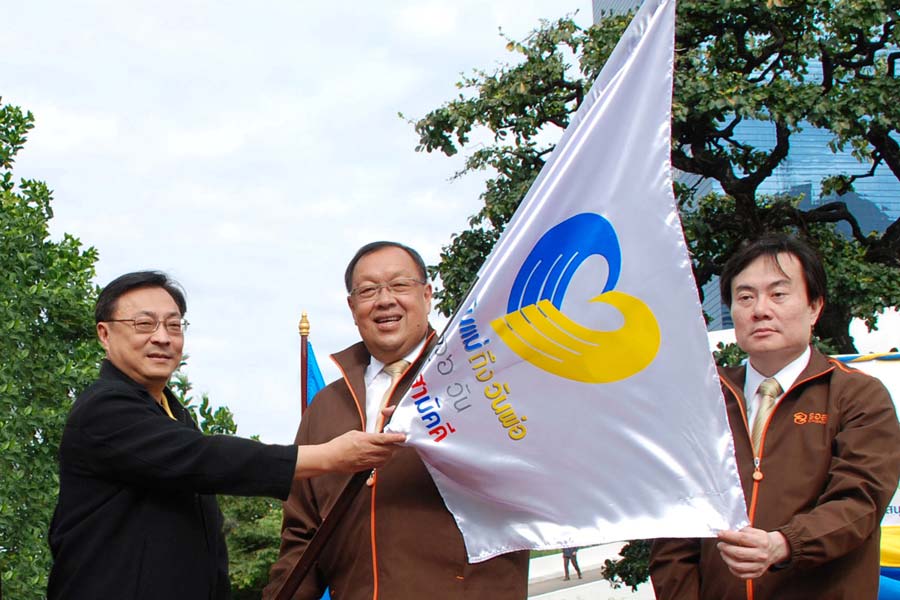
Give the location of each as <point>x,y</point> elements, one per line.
<point>374,486</point>
<point>757,460</point>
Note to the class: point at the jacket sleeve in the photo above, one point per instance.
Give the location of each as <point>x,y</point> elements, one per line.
<point>300,522</point>
<point>674,568</point>
<point>122,436</point>
<point>862,477</point>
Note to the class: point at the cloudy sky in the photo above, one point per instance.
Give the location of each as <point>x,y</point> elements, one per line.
<point>250,152</point>
<point>249,149</point>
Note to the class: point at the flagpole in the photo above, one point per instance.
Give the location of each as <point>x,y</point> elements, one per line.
<point>303,328</point>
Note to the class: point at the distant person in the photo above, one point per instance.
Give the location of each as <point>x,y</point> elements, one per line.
<point>137,516</point>
<point>396,540</point>
<point>570,555</point>
<point>817,447</point>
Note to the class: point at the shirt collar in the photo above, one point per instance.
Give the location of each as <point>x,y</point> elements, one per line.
<point>785,377</point>
<point>376,366</point>
<point>110,371</point>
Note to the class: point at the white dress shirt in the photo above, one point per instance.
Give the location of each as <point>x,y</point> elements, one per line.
<point>785,378</point>
<point>378,382</point>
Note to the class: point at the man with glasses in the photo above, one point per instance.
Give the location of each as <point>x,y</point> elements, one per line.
<point>396,539</point>
<point>136,515</point>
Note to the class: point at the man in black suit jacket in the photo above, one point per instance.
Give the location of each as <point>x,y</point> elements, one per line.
<point>137,517</point>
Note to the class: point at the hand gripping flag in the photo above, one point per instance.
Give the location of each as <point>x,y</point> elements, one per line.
<point>573,399</point>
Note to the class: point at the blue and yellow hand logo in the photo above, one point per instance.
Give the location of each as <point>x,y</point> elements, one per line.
<point>537,330</point>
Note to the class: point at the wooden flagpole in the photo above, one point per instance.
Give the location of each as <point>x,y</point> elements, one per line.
<point>303,327</point>
<point>299,570</point>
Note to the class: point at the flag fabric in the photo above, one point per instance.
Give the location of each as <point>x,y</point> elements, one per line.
<point>573,400</point>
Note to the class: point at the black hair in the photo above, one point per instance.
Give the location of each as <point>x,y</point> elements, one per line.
<point>771,245</point>
<point>374,246</point>
<point>109,297</point>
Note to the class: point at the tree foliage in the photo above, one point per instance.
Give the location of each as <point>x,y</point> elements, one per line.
<point>253,533</point>
<point>49,354</point>
<point>210,422</point>
<point>784,64</point>
<point>632,569</point>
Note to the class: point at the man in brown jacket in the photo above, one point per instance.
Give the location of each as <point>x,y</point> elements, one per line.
<point>397,540</point>
<point>817,447</point>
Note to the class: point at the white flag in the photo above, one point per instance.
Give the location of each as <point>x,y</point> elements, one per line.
<point>573,399</point>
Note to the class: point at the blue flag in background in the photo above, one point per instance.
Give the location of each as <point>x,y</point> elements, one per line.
<point>314,380</point>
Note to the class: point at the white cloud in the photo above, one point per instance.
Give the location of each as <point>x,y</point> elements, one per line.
<point>434,19</point>
<point>249,150</point>
<point>63,131</point>
<point>210,143</point>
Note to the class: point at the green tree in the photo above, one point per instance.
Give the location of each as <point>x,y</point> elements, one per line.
<point>49,354</point>
<point>253,533</point>
<point>210,422</point>
<point>632,569</point>
<point>735,61</point>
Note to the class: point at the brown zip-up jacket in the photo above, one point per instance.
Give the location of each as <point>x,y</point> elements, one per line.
<point>397,539</point>
<point>828,467</point>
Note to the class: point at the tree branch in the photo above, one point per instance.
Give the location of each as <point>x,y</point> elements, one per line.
<point>834,212</point>
<point>886,147</point>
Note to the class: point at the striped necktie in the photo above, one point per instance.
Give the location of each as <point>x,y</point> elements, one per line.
<point>768,391</point>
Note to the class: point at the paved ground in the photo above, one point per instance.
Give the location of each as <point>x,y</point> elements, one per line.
<point>591,587</point>
<point>546,578</point>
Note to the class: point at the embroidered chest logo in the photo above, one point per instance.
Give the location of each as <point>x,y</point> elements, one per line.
<point>802,418</point>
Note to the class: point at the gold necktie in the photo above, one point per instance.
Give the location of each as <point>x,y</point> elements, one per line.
<point>395,370</point>
<point>768,391</point>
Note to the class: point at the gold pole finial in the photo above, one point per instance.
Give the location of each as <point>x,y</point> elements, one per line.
<point>303,327</point>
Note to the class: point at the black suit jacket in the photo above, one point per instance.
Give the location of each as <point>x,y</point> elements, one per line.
<point>136,516</point>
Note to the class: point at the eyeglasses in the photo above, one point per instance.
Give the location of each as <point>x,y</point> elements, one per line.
<point>397,287</point>
<point>149,325</point>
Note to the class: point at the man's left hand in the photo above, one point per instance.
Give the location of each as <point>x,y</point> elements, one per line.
<point>750,552</point>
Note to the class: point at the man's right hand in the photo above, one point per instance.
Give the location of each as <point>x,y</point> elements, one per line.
<point>348,453</point>
<point>750,552</point>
